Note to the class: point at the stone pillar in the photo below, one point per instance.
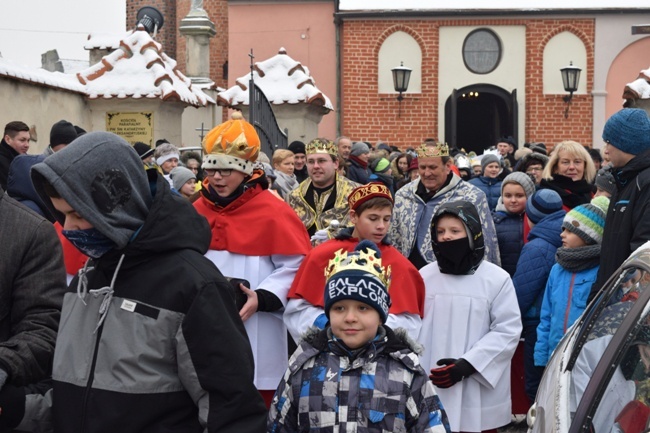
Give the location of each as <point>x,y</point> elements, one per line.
<point>197,29</point>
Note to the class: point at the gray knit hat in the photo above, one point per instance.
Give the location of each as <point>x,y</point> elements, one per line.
<point>180,176</point>
<point>605,180</point>
<point>488,159</point>
<point>359,148</point>
<point>521,179</point>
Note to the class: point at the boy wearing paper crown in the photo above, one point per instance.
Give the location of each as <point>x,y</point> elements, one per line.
<point>357,374</point>
<point>371,208</point>
<point>255,237</point>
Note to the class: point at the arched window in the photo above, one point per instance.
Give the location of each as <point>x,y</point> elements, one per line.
<point>400,47</point>
<point>563,48</point>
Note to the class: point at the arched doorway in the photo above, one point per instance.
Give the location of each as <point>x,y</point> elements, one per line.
<point>477,115</point>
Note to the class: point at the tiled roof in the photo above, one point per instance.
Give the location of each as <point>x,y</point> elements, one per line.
<point>282,79</point>
<point>140,69</point>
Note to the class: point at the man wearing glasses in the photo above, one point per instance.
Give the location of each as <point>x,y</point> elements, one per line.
<point>255,237</point>
<point>323,197</point>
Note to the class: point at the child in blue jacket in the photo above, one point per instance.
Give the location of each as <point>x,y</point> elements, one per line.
<point>571,278</point>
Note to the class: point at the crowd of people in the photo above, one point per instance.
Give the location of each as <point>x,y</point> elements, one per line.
<point>332,286</point>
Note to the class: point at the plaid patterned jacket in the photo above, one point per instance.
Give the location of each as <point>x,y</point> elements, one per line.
<point>381,389</point>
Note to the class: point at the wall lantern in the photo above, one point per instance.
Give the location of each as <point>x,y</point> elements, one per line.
<point>401,77</point>
<point>570,79</point>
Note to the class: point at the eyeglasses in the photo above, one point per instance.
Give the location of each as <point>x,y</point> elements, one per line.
<point>534,169</point>
<point>223,172</point>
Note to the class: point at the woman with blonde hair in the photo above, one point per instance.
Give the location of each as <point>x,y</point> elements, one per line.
<point>570,172</point>
<point>283,164</point>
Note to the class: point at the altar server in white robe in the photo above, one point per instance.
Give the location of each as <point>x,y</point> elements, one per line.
<point>471,323</point>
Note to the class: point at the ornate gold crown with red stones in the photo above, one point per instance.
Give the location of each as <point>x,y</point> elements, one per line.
<point>365,261</point>
<point>321,145</point>
<point>363,193</point>
<point>432,151</point>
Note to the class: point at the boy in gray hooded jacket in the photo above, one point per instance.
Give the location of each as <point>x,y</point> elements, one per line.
<point>150,339</point>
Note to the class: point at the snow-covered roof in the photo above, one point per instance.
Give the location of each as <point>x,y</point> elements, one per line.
<point>105,41</point>
<point>282,79</point>
<point>71,66</point>
<point>494,5</point>
<point>140,69</point>
<point>136,69</point>
<point>57,80</point>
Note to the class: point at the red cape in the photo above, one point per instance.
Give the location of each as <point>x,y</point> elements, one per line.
<point>72,257</point>
<point>406,287</point>
<point>256,224</point>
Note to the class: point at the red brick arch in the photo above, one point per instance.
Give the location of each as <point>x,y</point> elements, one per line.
<point>571,29</point>
<point>399,28</point>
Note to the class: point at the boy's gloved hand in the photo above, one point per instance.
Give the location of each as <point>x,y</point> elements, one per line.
<point>454,371</point>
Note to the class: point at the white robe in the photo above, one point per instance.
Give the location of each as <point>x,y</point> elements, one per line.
<point>266,331</point>
<point>474,317</point>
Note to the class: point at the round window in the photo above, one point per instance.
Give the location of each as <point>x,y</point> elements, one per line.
<point>482,51</point>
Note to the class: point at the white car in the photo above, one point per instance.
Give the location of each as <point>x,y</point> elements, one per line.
<point>598,379</point>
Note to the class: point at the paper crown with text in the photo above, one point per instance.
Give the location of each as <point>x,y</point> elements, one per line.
<point>365,260</point>
<point>233,145</point>
<point>433,150</point>
<point>321,145</point>
<point>363,193</point>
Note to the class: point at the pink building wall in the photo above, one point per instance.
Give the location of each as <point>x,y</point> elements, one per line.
<point>625,69</point>
<point>306,31</point>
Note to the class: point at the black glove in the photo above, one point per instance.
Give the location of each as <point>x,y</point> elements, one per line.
<point>454,371</point>
<point>239,295</point>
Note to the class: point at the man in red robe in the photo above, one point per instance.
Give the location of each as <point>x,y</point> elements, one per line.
<point>371,209</point>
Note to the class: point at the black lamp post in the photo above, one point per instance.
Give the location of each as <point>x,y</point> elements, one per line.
<point>401,77</point>
<point>570,79</point>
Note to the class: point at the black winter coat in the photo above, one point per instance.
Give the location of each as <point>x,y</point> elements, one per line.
<point>627,225</point>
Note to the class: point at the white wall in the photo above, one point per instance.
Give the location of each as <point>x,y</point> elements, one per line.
<point>561,49</point>
<point>509,74</point>
<point>41,107</point>
<point>400,47</point>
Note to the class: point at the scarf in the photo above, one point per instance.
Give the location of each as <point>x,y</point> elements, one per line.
<point>578,259</point>
<point>285,183</point>
<point>573,193</point>
<point>359,161</point>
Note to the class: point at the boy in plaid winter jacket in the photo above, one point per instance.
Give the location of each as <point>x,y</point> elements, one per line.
<point>357,375</point>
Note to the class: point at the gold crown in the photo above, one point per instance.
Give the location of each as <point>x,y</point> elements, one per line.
<point>321,145</point>
<point>366,261</point>
<point>432,151</point>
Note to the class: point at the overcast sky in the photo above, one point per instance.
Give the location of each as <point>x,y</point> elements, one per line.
<point>28,28</point>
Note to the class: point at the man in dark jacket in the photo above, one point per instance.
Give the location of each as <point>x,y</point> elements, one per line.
<point>150,339</point>
<point>15,142</point>
<point>627,227</point>
<point>32,283</point>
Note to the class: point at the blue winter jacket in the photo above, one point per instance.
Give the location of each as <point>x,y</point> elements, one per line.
<point>491,187</point>
<point>534,265</point>
<point>554,320</point>
<point>510,233</point>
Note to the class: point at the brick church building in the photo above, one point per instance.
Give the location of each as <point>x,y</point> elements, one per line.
<point>477,73</point>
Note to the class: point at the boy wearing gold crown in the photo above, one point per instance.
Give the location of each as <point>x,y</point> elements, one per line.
<point>255,237</point>
<point>371,207</point>
<point>416,202</point>
<point>357,374</point>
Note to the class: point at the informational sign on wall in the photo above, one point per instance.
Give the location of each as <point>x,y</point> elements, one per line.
<point>131,126</point>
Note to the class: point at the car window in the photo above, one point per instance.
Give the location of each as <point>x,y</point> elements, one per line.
<point>610,376</point>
